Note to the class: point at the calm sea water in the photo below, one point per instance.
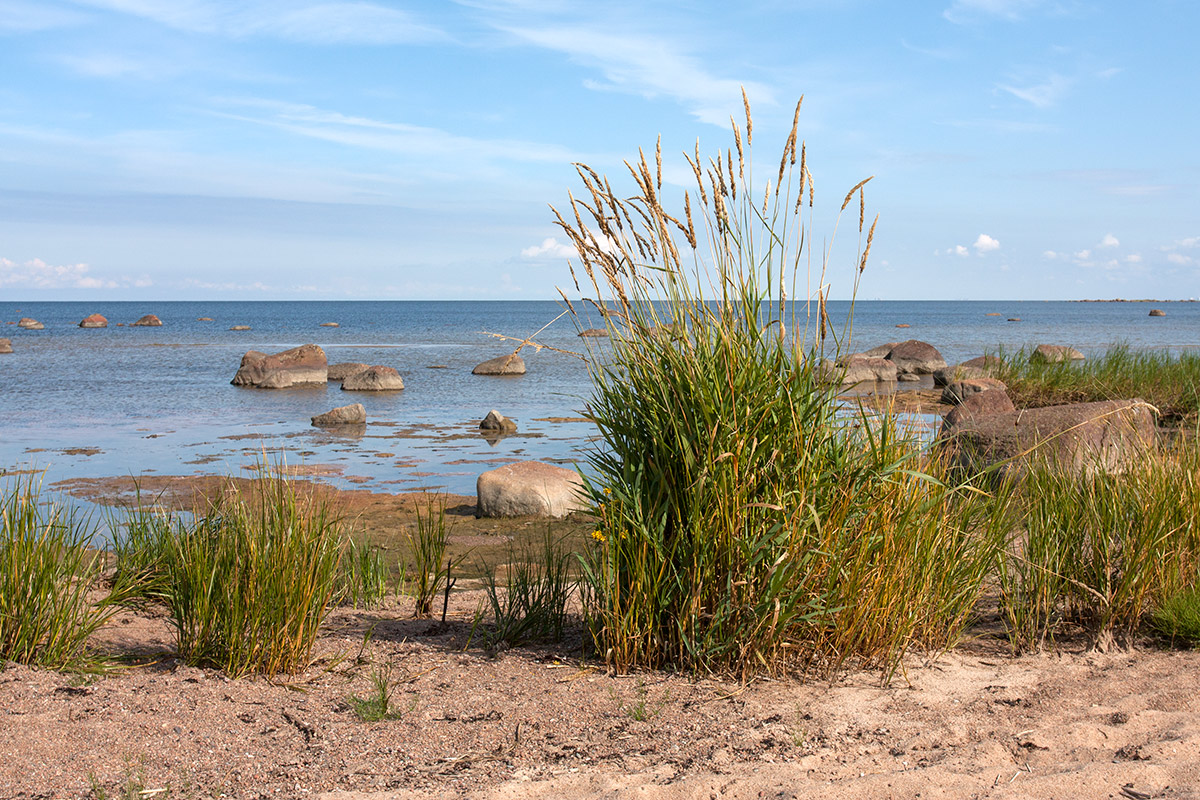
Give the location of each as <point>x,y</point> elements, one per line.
<point>134,401</point>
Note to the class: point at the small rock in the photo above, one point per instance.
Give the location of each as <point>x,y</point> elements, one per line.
<point>903,325</point>
<point>1054,353</point>
<point>94,321</point>
<point>992,314</point>
<point>495,421</point>
<point>148,321</point>
<point>29,324</point>
<point>1014,319</point>
<point>529,489</point>
<point>503,365</point>
<point>239,328</point>
<point>204,319</point>
<point>330,325</point>
<point>374,379</point>
<point>5,345</point>
<point>339,372</point>
<point>594,332</point>
<point>353,414</point>
<point>1157,312</point>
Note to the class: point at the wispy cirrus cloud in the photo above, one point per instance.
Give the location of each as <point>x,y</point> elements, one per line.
<point>398,137</point>
<point>37,274</point>
<point>1041,95</point>
<point>964,11</point>
<point>648,65</point>
<point>314,23</point>
<point>17,16</point>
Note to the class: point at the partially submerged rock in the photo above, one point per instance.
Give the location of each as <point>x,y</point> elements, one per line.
<point>374,379</point>
<point>866,369</point>
<point>594,332</point>
<point>529,489</point>
<point>239,327</point>
<point>1054,353</point>
<point>1157,312</point>
<point>94,321</point>
<point>28,323</point>
<point>339,372</point>
<point>496,422</point>
<point>511,364</point>
<point>300,365</point>
<point>147,321</point>
<point>1085,438</point>
<point>353,414</point>
<point>5,345</point>
<point>915,357</point>
<point>330,325</point>
<point>987,402</point>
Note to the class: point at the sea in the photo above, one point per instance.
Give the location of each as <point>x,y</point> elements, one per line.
<point>135,401</point>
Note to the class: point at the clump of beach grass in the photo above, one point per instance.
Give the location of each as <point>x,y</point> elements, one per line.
<point>250,581</point>
<point>1101,552</point>
<point>531,605</point>
<point>1171,383</point>
<point>47,571</point>
<point>746,525</point>
<point>362,578</point>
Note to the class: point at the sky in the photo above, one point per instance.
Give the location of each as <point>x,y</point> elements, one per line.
<point>378,149</point>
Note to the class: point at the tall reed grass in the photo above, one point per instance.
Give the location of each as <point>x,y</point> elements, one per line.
<point>1171,383</point>
<point>746,526</point>
<point>47,572</point>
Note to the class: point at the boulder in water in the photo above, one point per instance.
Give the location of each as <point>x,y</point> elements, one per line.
<point>374,379</point>
<point>511,364</point>
<point>94,321</point>
<point>300,365</point>
<point>1157,312</point>
<point>1054,353</point>
<point>29,324</point>
<point>353,414</point>
<point>495,422</point>
<point>148,321</point>
<point>339,372</point>
<point>5,345</point>
<point>915,357</point>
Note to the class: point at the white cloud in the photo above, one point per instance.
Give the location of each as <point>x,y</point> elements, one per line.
<point>314,22</point>
<point>1042,95</point>
<point>550,248</point>
<point>23,17</point>
<point>37,274</point>
<point>961,11</point>
<point>1179,258</point>
<point>959,250</point>
<point>985,244</point>
<point>1133,258</point>
<point>1190,241</point>
<point>1050,254</point>
<point>1083,255</point>
<point>1109,241</point>
<point>650,66</point>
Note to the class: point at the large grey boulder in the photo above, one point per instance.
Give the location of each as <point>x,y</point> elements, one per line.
<point>495,422</point>
<point>511,364</point>
<point>29,324</point>
<point>374,379</point>
<point>529,489</point>
<point>915,357</point>
<point>1054,353</point>
<point>353,414</point>
<point>5,345</point>
<point>877,352</point>
<point>866,369</point>
<point>300,365</point>
<point>339,372</point>
<point>1084,438</point>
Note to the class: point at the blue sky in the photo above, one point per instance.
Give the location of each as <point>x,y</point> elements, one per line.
<point>262,149</point>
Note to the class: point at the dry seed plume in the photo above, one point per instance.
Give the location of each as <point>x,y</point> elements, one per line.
<point>862,265</point>
<point>749,120</point>
<point>850,193</point>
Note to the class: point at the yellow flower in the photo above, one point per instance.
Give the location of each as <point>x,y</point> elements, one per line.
<point>607,490</point>
<point>598,536</point>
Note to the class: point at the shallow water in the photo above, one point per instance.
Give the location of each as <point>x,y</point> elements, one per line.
<point>131,401</point>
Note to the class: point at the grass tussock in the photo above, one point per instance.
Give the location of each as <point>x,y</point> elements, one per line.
<point>1169,382</point>
<point>250,580</point>
<point>47,572</point>
<point>1101,553</point>
<point>746,525</point>
<point>532,603</point>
